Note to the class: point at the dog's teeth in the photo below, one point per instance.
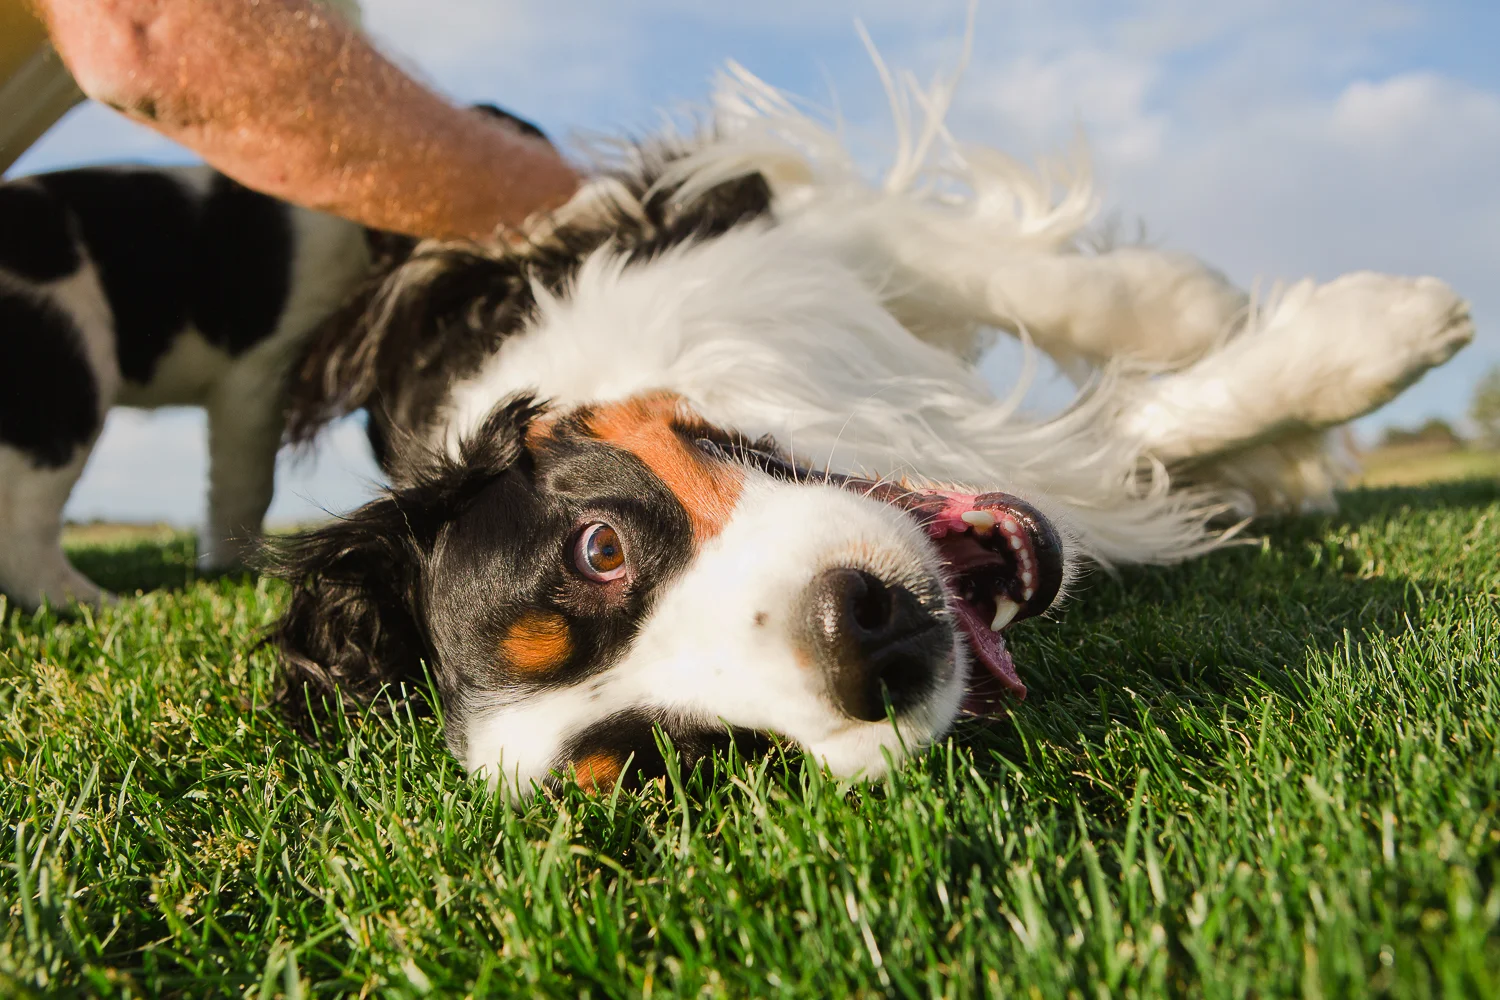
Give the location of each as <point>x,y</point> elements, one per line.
<point>1005,610</point>
<point>982,521</point>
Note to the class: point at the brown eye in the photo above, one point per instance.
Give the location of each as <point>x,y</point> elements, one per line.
<point>599,553</point>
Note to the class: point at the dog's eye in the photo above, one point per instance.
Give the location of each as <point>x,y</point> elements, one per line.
<point>599,554</point>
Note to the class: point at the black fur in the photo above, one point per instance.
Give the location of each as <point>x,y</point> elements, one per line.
<point>137,226</point>
<point>632,736</point>
<point>35,243</point>
<point>241,266</point>
<point>167,258</point>
<point>355,621</point>
<point>49,401</point>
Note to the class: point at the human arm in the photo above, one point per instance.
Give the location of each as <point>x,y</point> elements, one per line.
<point>290,100</point>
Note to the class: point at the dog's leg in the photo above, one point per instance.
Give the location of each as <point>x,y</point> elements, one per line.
<point>1163,310</point>
<point>1320,356</point>
<point>244,433</point>
<point>33,567</point>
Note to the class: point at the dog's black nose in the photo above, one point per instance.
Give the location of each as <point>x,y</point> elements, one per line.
<point>874,642</point>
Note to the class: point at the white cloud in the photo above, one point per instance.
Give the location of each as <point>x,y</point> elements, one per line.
<point>1273,158</point>
<point>1032,99</point>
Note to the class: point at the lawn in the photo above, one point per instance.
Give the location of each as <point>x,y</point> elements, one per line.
<point>1272,772</point>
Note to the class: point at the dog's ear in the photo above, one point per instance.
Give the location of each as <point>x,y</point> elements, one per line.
<point>353,621</point>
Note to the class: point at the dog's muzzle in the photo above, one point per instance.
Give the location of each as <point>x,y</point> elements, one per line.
<point>1002,562</point>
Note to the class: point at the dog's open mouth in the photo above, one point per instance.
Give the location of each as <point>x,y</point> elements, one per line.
<point>1004,564</point>
<point>1003,561</point>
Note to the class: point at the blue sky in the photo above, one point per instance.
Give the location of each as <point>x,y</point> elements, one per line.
<point>1276,139</point>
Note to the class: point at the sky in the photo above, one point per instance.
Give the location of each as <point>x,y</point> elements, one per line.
<point>1277,139</point>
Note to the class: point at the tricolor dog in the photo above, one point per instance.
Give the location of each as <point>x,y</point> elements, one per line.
<point>704,450</point>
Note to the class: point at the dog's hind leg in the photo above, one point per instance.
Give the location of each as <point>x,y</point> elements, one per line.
<point>244,434</point>
<point>1253,414</point>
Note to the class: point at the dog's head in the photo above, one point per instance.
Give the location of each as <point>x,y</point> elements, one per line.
<point>573,579</point>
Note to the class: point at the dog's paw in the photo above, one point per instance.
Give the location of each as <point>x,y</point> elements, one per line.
<point>67,592</point>
<point>1365,337</point>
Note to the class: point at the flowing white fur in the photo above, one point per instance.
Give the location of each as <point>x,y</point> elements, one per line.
<point>847,328</point>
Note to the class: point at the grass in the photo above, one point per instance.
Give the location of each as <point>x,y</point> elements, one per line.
<point>1273,772</point>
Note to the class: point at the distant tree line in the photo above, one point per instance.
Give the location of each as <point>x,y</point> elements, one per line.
<point>1484,409</point>
<point>1437,433</point>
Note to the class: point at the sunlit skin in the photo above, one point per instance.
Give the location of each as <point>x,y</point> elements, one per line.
<point>288,99</point>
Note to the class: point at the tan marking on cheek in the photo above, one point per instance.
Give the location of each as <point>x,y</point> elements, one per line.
<point>643,426</point>
<point>597,772</point>
<point>538,643</point>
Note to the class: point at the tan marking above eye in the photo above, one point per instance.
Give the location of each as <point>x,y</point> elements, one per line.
<point>646,426</point>
<point>538,642</point>
<point>597,772</point>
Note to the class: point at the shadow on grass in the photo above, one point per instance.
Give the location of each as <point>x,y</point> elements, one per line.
<point>126,567</point>
<point>1199,640</point>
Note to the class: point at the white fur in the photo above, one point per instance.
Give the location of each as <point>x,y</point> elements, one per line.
<point>846,328</point>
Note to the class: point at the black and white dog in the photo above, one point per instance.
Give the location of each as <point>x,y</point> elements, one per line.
<point>705,451</point>
<point>149,287</point>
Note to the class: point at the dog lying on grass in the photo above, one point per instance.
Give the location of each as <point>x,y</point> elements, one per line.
<point>704,450</point>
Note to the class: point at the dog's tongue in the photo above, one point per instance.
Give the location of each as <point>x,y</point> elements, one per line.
<point>993,676</point>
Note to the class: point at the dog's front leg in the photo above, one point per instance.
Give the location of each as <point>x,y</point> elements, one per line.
<point>943,273</point>
<point>244,434</point>
<point>1163,310</point>
<point>33,567</point>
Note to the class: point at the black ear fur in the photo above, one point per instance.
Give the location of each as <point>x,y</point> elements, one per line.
<point>352,624</point>
<point>355,620</point>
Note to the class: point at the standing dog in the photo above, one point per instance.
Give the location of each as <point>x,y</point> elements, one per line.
<point>149,287</point>
<point>705,451</point>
